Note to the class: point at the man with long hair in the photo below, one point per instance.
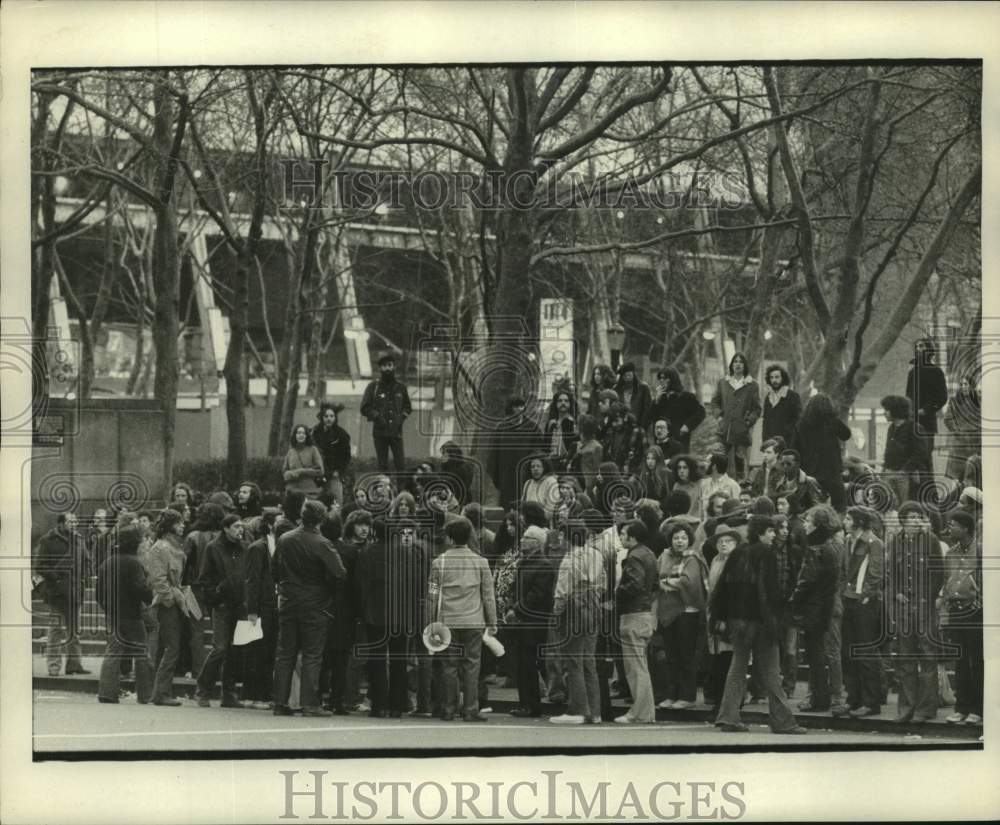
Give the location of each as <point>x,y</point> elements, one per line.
<point>736,404</point>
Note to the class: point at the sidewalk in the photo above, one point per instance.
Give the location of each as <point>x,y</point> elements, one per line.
<point>503,700</point>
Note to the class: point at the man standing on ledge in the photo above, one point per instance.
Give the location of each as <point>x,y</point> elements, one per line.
<point>386,403</point>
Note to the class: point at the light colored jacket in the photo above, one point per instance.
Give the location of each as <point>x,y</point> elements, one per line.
<point>582,568</point>
<point>461,590</point>
<point>165,565</point>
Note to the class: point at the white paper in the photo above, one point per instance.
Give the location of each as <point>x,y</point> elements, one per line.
<point>247,632</point>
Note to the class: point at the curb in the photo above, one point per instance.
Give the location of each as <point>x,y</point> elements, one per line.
<point>185,688</point>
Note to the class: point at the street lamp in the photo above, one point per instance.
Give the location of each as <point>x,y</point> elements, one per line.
<point>768,335</point>
<point>616,340</point>
<point>708,335</point>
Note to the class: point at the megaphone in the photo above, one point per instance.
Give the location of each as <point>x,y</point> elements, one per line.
<point>437,637</point>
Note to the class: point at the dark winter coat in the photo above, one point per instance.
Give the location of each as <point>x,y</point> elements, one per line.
<point>390,586</point>
<point>782,419</point>
<point>334,445</point>
<point>223,576</point>
<point>680,409</point>
<point>261,593</point>
<point>820,579</point>
<point>386,404</point>
<point>60,559</point>
<point>194,550</point>
<point>904,450</point>
<point>927,390</point>
<point>748,590</point>
<point>534,588</point>
<point>822,456</point>
<point>640,403</point>
<point>640,582</point>
<point>625,446</point>
<point>122,588</point>
<point>737,410</point>
<point>346,599</point>
<point>507,466</point>
<point>306,567</point>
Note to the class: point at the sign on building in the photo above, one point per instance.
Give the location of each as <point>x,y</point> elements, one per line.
<point>555,344</point>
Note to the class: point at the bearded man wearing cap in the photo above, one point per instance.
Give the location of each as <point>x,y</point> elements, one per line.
<point>386,403</point>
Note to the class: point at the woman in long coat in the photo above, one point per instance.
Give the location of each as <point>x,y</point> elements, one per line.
<point>737,405</point>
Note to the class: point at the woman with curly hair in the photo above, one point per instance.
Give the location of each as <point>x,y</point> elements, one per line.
<point>818,440</point>
<point>303,467</point>
<point>687,478</point>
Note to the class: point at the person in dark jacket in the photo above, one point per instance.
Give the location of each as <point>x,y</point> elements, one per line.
<point>782,406</point>
<point>927,390</point>
<point>789,550</point>
<point>390,597</point>
<point>529,614</point>
<point>249,501</point>
<point>386,403</point>
<point>681,409</point>
<point>818,441</point>
<point>818,609</point>
<point>745,606</point>
<point>207,524</point>
<point>634,394</point>
<point>122,592</point>
<point>662,438</point>
<point>222,581</point>
<point>334,444</point>
<point>517,437</point>
<point>561,432</point>
<point>904,457</point>
<point>634,596</point>
<point>602,378</point>
<point>306,568</point>
<point>60,567</point>
<point>262,606</point>
<point>623,440</point>
<point>736,403</point>
<point>342,666</point>
<point>165,566</point>
<point>457,472</point>
<point>916,573</point>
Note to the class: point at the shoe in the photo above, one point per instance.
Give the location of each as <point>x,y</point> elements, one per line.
<point>487,709</point>
<point>232,703</point>
<point>340,710</point>
<point>955,719</point>
<point>624,719</point>
<point>924,718</point>
<point>558,699</point>
<point>902,719</point>
<point>259,706</point>
<point>378,714</point>
<point>973,719</point>
<point>839,710</point>
<point>421,713</point>
<point>864,710</point>
<point>566,719</point>
<point>316,712</point>
<point>203,702</point>
<point>282,710</point>
<point>592,720</point>
<point>798,729</point>
<point>169,702</point>
<point>78,672</point>
<point>395,714</point>
<point>682,704</point>
<point>731,727</point>
<point>809,707</point>
<point>447,717</point>
<point>105,701</point>
<point>362,707</point>
<point>474,717</point>
<point>526,713</point>
<point>666,703</point>
<point>755,700</point>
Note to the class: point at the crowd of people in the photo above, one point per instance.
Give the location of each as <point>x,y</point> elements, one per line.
<point>623,566</point>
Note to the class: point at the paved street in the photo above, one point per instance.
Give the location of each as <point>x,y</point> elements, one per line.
<point>65,721</point>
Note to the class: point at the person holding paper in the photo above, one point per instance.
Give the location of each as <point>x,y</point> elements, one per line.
<point>306,568</point>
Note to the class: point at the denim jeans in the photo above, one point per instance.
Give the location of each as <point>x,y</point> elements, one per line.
<point>222,655</point>
<point>636,630</point>
<point>765,654</point>
<point>303,632</point>
<point>581,675</point>
<point>126,641</point>
<point>63,638</point>
<point>789,654</point>
<point>152,625</point>
<point>460,662</point>
<point>169,621</point>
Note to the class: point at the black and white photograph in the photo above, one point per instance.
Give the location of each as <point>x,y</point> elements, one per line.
<point>570,430</point>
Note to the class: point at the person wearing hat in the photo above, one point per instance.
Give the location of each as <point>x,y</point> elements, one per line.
<point>736,403</point>
<point>746,605</point>
<point>961,603</point>
<point>165,565</point>
<point>386,403</point>
<point>634,394</point>
<point>721,542</point>
<point>461,596</point>
<point>222,581</point>
<point>334,445</point>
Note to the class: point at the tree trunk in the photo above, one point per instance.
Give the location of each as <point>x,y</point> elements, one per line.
<point>233,373</point>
